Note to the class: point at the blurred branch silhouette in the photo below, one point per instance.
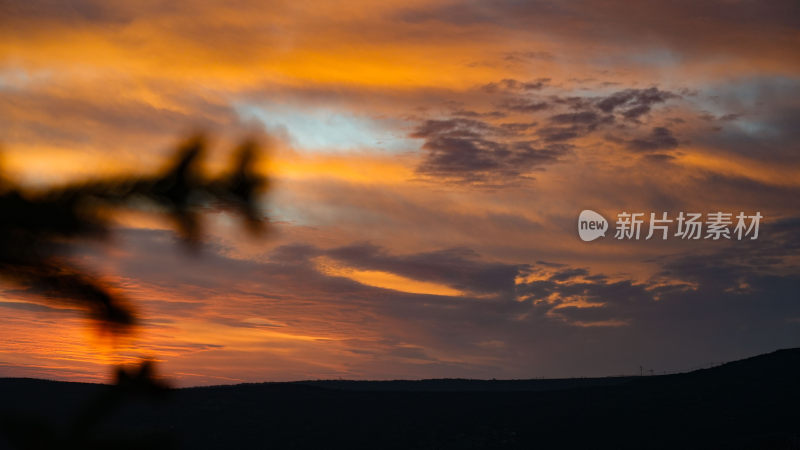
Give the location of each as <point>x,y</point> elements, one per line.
<point>36,228</point>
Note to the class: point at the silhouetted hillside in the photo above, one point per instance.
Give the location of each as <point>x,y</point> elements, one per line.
<point>466,385</point>
<point>752,403</point>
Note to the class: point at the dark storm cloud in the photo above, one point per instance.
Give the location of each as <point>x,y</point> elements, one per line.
<point>567,274</point>
<point>518,127</point>
<point>465,128</point>
<point>574,124</point>
<point>573,102</point>
<point>660,138</point>
<point>585,115</point>
<point>571,125</point>
<point>475,114</point>
<point>558,134</point>
<point>473,147</point>
<point>629,105</point>
<point>514,85</point>
<point>524,105</point>
<point>475,151</point>
<point>634,102</point>
<point>589,118</point>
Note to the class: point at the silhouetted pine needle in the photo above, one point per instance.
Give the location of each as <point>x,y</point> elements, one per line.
<point>38,228</point>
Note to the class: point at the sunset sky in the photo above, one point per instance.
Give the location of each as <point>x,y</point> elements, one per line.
<point>428,162</point>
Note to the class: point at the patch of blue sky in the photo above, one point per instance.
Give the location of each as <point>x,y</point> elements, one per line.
<point>327,130</point>
<point>658,58</point>
<point>286,206</point>
<point>755,99</point>
<point>12,78</point>
<point>15,78</point>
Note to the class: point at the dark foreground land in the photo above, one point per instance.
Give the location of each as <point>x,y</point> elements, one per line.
<point>748,404</point>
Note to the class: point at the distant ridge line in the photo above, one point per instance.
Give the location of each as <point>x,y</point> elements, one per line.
<point>774,360</point>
